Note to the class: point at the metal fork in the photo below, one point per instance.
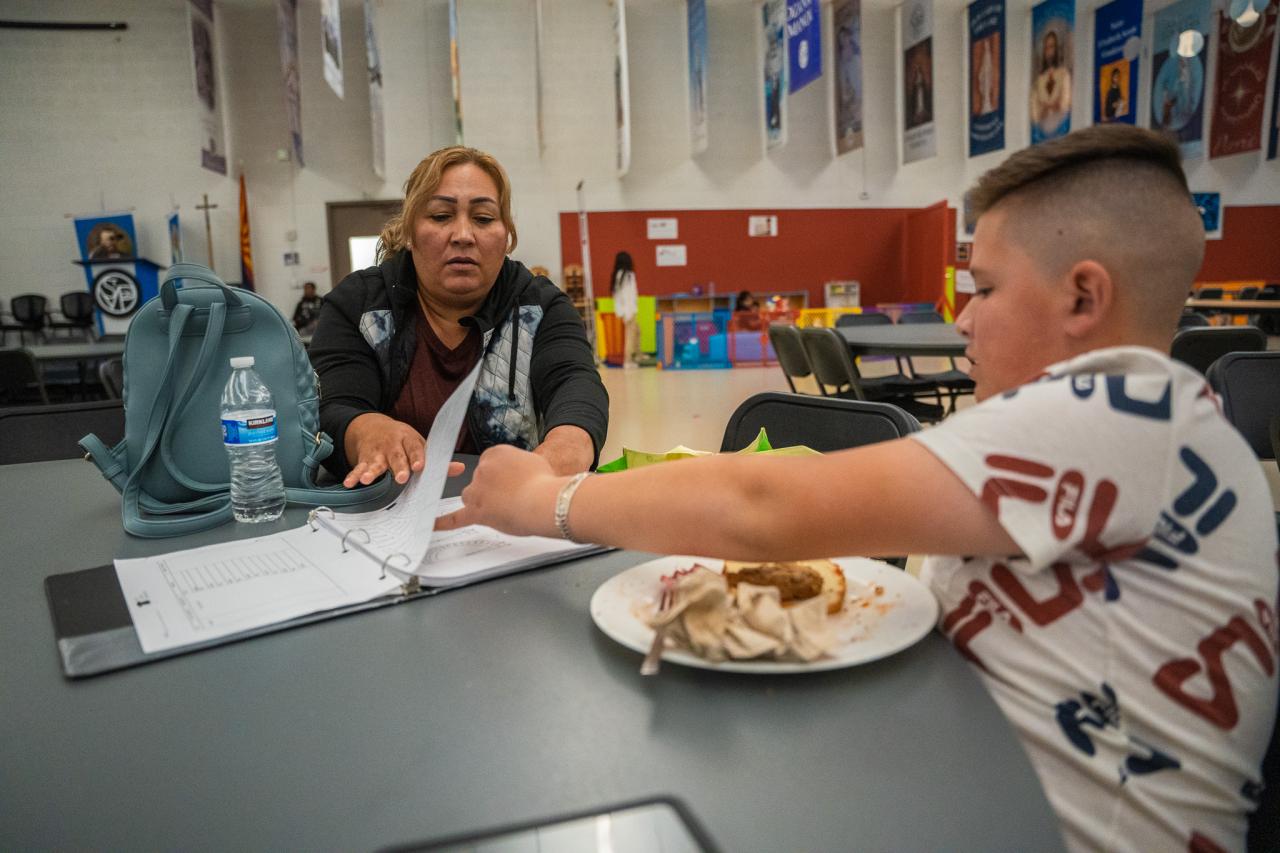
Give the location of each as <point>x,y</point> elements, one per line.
<point>653,660</point>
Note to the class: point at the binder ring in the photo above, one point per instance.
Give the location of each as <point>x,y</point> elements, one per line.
<point>399,573</point>
<point>311,517</point>
<point>354,530</point>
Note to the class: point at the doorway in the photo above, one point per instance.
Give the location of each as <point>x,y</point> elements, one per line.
<point>354,227</point>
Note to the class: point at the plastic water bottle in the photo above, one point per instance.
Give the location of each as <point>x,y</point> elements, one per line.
<point>249,433</point>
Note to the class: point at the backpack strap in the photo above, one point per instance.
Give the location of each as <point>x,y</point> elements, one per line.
<point>214,510</point>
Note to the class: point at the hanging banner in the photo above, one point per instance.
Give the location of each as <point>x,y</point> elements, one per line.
<point>455,71</point>
<point>986,76</point>
<point>1117,43</point>
<point>847,22</point>
<point>375,92</point>
<point>1052,67</point>
<point>331,43</point>
<point>697,14</point>
<point>287,25</point>
<point>621,86</point>
<point>1177,79</point>
<point>804,43</point>
<point>773,20</point>
<point>1274,143</point>
<point>1240,93</point>
<point>213,154</point>
<point>919,139</point>
<point>175,238</point>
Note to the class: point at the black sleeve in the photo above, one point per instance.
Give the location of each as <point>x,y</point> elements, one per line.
<point>350,379</point>
<point>566,384</point>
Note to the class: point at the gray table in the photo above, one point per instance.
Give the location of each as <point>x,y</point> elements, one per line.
<point>1236,306</point>
<point>77,351</point>
<point>495,703</point>
<point>924,339</point>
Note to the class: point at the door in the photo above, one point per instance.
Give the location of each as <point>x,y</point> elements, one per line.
<point>354,227</point>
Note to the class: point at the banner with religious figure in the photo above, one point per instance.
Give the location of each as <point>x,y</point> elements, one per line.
<point>986,76</point>
<point>846,19</point>
<point>204,53</point>
<point>773,23</point>
<point>1117,43</point>
<point>1178,71</point>
<point>919,139</point>
<point>1052,68</point>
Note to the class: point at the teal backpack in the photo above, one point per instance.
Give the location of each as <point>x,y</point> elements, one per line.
<point>171,467</point>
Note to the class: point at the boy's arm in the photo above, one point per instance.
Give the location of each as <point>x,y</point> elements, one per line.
<point>884,499</point>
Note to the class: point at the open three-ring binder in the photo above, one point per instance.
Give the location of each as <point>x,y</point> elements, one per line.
<point>111,617</point>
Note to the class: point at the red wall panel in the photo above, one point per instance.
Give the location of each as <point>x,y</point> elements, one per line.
<point>897,253</point>
<point>812,247</point>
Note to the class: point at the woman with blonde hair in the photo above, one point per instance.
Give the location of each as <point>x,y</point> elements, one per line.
<point>393,341</point>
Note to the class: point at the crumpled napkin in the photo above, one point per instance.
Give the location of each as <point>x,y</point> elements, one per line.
<point>713,623</point>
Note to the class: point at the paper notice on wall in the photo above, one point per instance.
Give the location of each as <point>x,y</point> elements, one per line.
<point>662,229</point>
<point>672,256</point>
<point>965,282</point>
<point>762,226</point>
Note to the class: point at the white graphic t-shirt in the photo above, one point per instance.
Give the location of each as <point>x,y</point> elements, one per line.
<point>1134,647</point>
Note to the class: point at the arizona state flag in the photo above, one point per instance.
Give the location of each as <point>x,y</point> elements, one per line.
<point>246,249</point>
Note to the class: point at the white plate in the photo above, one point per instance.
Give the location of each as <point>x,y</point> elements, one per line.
<point>897,618</point>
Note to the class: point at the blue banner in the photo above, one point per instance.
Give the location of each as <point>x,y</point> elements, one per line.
<point>986,76</point>
<point>1117,29</point>
<point>1177,81</point>
<point>804,42</point>
<point>1052,68</point>
<point>697,11</point>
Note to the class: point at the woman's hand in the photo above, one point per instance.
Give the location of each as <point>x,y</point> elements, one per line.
<point>375,443</point>
<point>568,449</point>
<point>512,490</point>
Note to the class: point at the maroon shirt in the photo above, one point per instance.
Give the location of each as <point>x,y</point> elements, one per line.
<point>434,373</point>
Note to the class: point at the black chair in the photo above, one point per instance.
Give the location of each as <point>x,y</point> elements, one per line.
<point>868,319</point>
<point>954,381</point>
<point>1269,323</point>
<point>833,366</point>
<point>902,381</point>
<point>77,312</point>
<point>1264,824</point>
<point>1209,293</point>
<point>824,423</point>
<point>111,375</point>
<point>29,314</point>
<point>1190,320</point>
<point>44,433</point>
<point>790,352</point>
<point>1247,293</point>
<point>1249,385</point>
<point>1202,347</point>
<point>20,380</point>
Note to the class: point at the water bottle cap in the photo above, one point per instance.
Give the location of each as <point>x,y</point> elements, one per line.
<point>241,361</point>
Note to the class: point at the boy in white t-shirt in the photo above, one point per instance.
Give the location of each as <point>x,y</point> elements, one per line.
<point>1119,593</point>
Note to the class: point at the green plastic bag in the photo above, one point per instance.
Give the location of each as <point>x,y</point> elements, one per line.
<point>639,458</point>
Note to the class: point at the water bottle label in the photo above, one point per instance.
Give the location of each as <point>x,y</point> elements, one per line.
<point>258,430</point>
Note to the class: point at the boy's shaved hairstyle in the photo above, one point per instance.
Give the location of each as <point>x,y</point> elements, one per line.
<point>1113,194</point>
